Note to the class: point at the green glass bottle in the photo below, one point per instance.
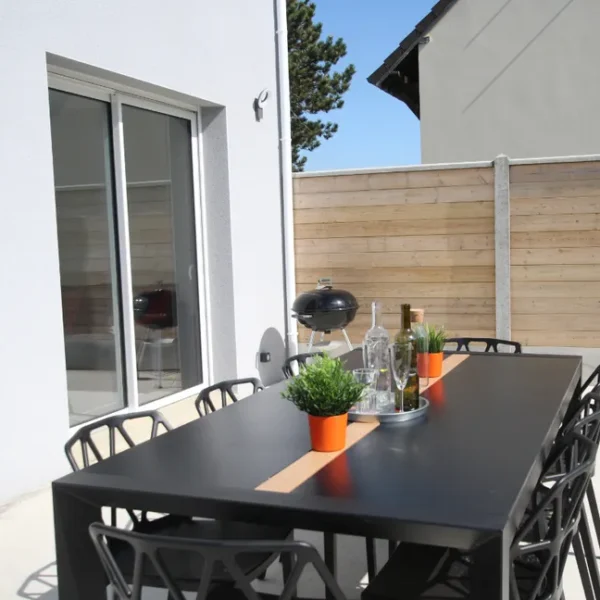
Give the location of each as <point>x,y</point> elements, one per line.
<point>411,391</point>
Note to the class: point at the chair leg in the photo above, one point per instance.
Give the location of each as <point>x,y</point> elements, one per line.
<point>590,554</point>
<point>287,565</point>
<point>371,558</point>
<point>583,568</point>
<point>591,497</point>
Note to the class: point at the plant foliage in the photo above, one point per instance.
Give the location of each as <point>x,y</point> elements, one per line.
<point>324,388</point>
<point>436,339</point>
<point>314,88</point>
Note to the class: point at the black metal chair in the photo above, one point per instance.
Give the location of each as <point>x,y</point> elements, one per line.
<point>537,555</point>
<point>293,364</point>
<point>82,448</point>
<point>586,421</point>
<point>85,440</point>
<point>204,403</point>
<point>224,569</point>
<point>463,344</point>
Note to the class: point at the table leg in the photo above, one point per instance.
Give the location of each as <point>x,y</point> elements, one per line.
<point>80,573</point>
<point>330,558</point>
<point>492,580</point>
<point>371,558</point>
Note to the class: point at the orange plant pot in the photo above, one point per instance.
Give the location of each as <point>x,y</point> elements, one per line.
<point>430,365</point>
<point>328,434</point>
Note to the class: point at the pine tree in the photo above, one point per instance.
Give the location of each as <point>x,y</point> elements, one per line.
<point>314,88</point>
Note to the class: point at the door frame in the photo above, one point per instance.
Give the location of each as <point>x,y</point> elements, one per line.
<point>117,96</point>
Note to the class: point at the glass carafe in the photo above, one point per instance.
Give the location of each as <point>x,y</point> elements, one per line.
<point>376,354</point>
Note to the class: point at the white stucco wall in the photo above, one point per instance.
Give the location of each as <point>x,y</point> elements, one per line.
<point>219,52</point>
<point>511,77</point>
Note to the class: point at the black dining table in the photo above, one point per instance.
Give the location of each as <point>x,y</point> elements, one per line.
<point>461,477</point>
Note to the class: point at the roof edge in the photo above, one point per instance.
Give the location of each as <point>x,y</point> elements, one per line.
<point>410,42</point>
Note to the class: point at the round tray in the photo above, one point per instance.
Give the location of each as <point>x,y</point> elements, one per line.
<point>387,414</point>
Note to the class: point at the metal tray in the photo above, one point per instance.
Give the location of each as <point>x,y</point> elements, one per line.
<point>387,413</point>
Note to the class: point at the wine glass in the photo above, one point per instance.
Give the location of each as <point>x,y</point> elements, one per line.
<point>368,378</point>
<point>400,362</point>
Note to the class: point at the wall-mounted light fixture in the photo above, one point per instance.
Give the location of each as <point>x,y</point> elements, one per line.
<point>259,103</point>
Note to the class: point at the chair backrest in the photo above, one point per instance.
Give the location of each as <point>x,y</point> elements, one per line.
<point>214,554</point>
<point>463,344</point>
<point>204,403</point>
<point>293,364</point>
<point>114,429</point>
<point>584,418</point>
<point>553,517</point>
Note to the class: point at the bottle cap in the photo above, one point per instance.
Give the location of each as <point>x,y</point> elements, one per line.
<point>417,315</point>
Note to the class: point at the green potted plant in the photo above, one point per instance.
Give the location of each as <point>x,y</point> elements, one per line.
<point>430,351</point>
<point>326,392</point>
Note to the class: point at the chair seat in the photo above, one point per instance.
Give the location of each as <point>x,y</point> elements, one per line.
<point>419,572</point>
<point>186,567</point>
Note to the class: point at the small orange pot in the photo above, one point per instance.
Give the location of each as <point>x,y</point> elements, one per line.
<point>430,365</point>
<point>328,434</point>
<point>435,364</point>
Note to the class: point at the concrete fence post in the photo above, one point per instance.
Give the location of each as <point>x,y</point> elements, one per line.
<point>502,245</point>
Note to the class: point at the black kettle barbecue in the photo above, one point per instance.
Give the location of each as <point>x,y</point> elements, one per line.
<point>324,310</point>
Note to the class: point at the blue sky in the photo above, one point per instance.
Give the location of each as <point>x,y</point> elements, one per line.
<point>375,129</point>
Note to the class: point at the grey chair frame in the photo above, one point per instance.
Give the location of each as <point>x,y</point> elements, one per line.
<point>463,344</point>
<point>301,359</point>
<point>295,554</point>
<point>204,404</point>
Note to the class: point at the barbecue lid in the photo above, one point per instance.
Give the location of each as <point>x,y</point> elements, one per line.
<point>324,300</point>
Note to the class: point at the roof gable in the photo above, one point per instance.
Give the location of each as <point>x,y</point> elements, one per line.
<point>399,73</point>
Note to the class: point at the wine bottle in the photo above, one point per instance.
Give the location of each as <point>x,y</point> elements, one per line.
<point>411,391</point>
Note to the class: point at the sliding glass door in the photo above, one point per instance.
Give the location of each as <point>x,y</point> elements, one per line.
<point>160,200</point>
<point>126,221</point>
<point>84,192</point>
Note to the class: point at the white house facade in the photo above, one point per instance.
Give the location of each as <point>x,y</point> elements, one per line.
<point>145,210</point>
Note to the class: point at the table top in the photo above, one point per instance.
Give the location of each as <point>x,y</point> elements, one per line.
<point>464,471</point>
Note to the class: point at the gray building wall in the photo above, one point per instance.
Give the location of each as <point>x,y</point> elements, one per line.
<point>216,53</point>
<point>512,77</point>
